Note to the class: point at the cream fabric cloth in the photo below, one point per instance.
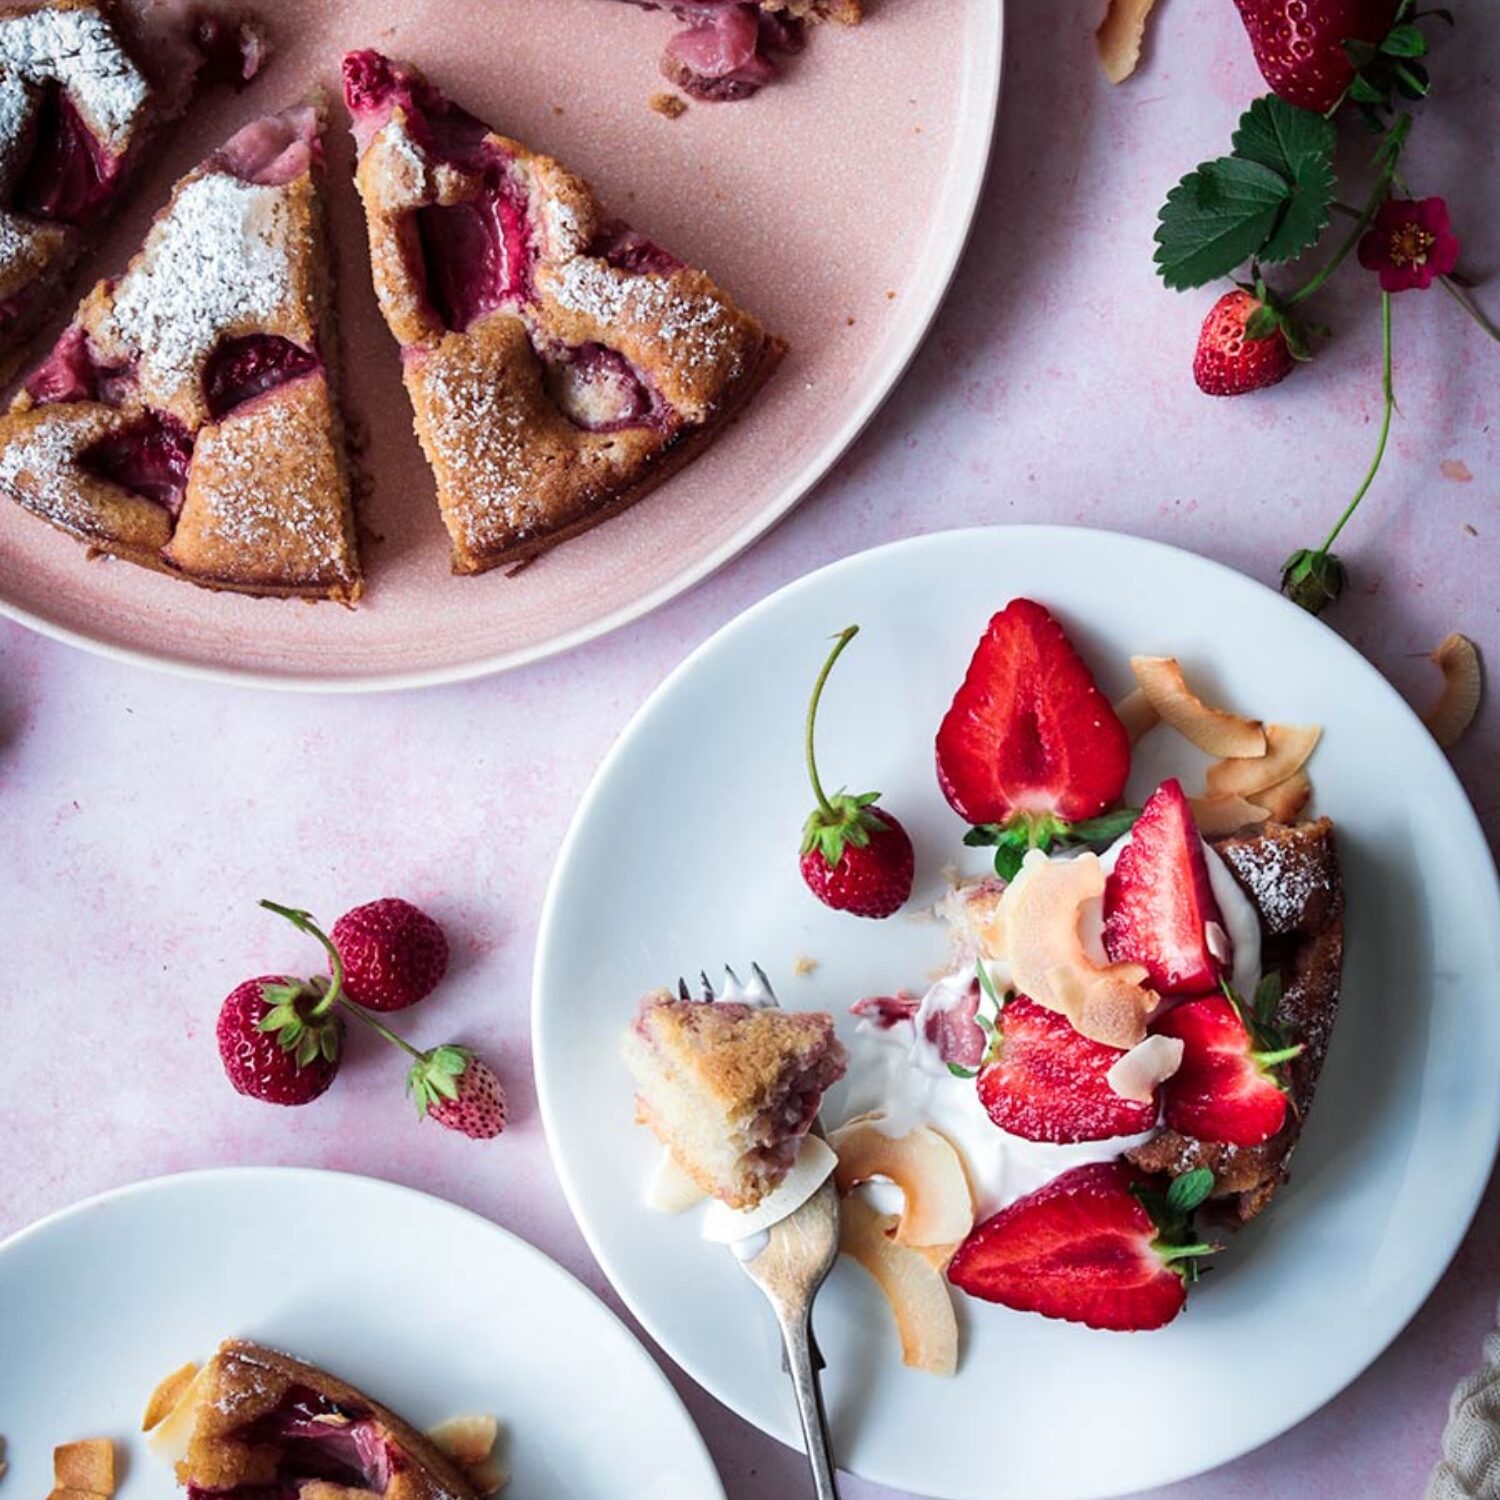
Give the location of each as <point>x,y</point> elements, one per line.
<point>1470,1469</point>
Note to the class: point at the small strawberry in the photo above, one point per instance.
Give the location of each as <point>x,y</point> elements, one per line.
<point>456,1089</point>
<point>1299,44</point>
<point>1046,1082</point>
<point>1098,1245</point>
<point>855,856</point>
<point>1030,748</point>
<point>1231,360</point>
<point>277,1040</point>
<point>394,954</point>
<point>1158,902</point>
<point>1231,1085</point>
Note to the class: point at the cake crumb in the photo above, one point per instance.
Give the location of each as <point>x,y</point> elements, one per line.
<point>890,296</point>
<point>670,105</point>
<point>1472,530</point>
<point>802,965</point>
<point>849,321</point>
<point>557,109</point>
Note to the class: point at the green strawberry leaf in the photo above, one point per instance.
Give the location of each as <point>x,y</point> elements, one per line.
<point>1297,145</point>
<point>1189,1192</point>
<point>1405,41</point>
<point>959,1072</point>
<point>1105,829</point>
<point>984,835</point>
<point>1008,860</point>
<point>987,984</point>
<point>1216,218</point>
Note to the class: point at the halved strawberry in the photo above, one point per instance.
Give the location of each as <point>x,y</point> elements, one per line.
<point>1048,1082</point>
<point>1097,1245</point>
<point>1230,1086</point>
<point>1158,901</point>
<point>1029,736</point>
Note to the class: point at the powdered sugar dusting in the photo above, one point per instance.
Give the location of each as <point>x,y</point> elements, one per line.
<point>699,325</point>
<point>45,457</point>
<point>79,50</point>
<point>402,178</point>
<point>1283,878</point>
<point>17,103</point>
<point>221,259</point>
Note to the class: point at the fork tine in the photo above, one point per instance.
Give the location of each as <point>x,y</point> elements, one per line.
<point>708,985</point>
<point>760,974</point>
<point>682,989</point>
<point>734,978</point>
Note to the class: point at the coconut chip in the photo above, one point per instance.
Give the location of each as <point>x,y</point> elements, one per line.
<point>1119,37</point>
<point>470,1442</point>
<point>1463,686</point>
<point>939,1208</point>
<point>1135,712</point>
<point>166,1395</point>
<point>87,1465</point>
<point>1135,1076</point>
<point>1215,731</point>
<point>1288,747</point>
<point>1285,801</point>
<point>1218,816</point>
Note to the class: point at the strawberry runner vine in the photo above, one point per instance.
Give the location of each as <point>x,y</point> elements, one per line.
<point>1272,199</point>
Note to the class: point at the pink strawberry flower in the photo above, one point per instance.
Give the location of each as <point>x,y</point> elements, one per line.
<point>1409,244</point>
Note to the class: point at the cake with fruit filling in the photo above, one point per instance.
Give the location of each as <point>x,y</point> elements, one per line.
<point>731,1089</point>
<point>188,418</point>
<point>84,87</point>
<point>254,1423</point>
<point>559,364</point>
<point>728,49</point>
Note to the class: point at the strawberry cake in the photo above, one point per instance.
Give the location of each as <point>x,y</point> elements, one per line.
<point>559,364</point>
<point>187,420</point>
<point>731,1088</point>
<point>254,1423</point>
<point>729,48</point>
<point>84,88</point>
<point>1123,1045</point>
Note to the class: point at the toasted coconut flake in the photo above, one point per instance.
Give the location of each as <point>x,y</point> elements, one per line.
<point>924,1165</point>
<point>1120,35</point>
<point>1288,747</point>
<point>88,1464</point>
<point>1217,816</point>
<point>912,1284</point>
<point>466,1440</point>
<point>1463,686</point>
<point>490,1476</point>
<point>1137,1075</point>
<point>1285,801</point>
<point>1108,1006</point>
<point>1135,712</point>
<point>166,1395</point>
<point>1215,731</point>
<point>63,1492</point>
<point>170,1435</point>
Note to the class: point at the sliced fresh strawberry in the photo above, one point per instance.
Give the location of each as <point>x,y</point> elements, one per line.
<point>1096,1245</point>
<point>1048,1082</point>
<point>1158,901</point>
<point>1029,734</point>
<point>1229,1087</point>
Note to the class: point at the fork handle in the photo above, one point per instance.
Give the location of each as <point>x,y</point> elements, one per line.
<point>796,1337</point>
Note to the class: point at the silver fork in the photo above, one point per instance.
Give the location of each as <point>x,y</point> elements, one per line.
<point>799,1253</point>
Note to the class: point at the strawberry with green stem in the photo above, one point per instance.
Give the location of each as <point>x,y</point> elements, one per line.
<point>449,1084</point>
<point>855,856</point>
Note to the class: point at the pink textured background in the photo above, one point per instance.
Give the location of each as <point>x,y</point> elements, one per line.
<point>143,815</point>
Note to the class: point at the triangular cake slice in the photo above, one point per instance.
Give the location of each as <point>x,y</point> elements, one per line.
<point>731,1089</point>
<point>254,1423</point>
<point>187,420</point>
<point>559,364</point>
<point>84,87</point>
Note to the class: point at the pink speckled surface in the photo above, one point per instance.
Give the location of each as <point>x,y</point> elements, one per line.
<point>842,266</point>
<point>142,815</point>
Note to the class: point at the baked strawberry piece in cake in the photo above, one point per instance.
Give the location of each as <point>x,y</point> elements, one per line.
<point>559,364</point>
<point>253,1424</point>
<point>731,1089</point>
<point>729,48</point>
<point>84,87</point>
<point>187,420</point>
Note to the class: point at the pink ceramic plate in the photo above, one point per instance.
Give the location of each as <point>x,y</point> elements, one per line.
<point>834,204</point>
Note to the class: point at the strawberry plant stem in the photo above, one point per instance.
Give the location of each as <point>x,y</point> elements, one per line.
<point>383,1030</point>
<point>1389,389</point>
<point>1363,218</point>
<point>1469,305</point>
<point>303,922</point>
<point>812,718</point>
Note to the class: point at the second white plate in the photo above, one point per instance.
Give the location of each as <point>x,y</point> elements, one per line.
<point>683,855</point>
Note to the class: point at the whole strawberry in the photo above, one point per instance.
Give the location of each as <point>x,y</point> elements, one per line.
<point>855,856</point>
<point>393,953</point>
<point>456,1089</point>
<point>277,1041</point>
<point>1231,363</point>
<point>1299,44</point>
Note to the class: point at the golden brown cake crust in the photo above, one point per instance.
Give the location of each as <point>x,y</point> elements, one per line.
<point>515,474</point>
<point>267,508</point>
<point>246,1380</point>
<point>1290,872</point>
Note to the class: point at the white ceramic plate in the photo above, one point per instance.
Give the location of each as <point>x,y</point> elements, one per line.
<point>684,854</point>
<point>816,242</point>
<point>429,1308</point>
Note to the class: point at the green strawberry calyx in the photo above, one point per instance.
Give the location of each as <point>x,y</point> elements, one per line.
<point>1022,832</point>
<point>435,1076</point>
<point>1172,1211</point>
<point>845,820</point>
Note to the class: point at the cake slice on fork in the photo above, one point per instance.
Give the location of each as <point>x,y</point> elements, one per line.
<point>730,1088</point>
